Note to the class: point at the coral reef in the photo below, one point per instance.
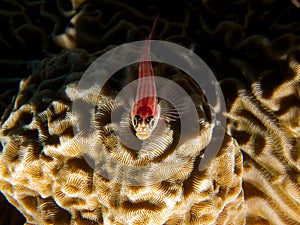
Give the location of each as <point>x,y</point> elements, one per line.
<point>267,130</point>
<point>55,185</point>
<point>54,175</point>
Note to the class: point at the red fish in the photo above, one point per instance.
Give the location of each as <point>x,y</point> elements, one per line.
<point>146,111</point>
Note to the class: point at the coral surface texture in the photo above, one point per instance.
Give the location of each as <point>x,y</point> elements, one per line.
<point>68,150</point>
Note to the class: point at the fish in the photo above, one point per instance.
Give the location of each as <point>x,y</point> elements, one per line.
<point>146,110</point>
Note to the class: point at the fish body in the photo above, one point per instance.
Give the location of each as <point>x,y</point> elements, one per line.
<point>146,110</point>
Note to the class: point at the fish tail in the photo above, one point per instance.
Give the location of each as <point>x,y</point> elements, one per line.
<point>153,28</point>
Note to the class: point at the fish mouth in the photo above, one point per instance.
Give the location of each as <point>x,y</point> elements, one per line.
<point>143,135</point>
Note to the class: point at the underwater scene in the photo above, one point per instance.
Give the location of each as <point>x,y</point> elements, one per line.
<point>119,112</point>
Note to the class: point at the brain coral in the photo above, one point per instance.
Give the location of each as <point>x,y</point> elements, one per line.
<point>54,175</point>
<point>45,174</point>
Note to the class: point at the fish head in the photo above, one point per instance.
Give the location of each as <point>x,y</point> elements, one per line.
<point>144,126</point>
<point>145,120</point>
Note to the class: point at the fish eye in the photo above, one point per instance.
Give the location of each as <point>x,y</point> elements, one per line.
<point>152,123</point>
<point>136,119</point>
<point>134,122</point>
<point>150,119</point>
